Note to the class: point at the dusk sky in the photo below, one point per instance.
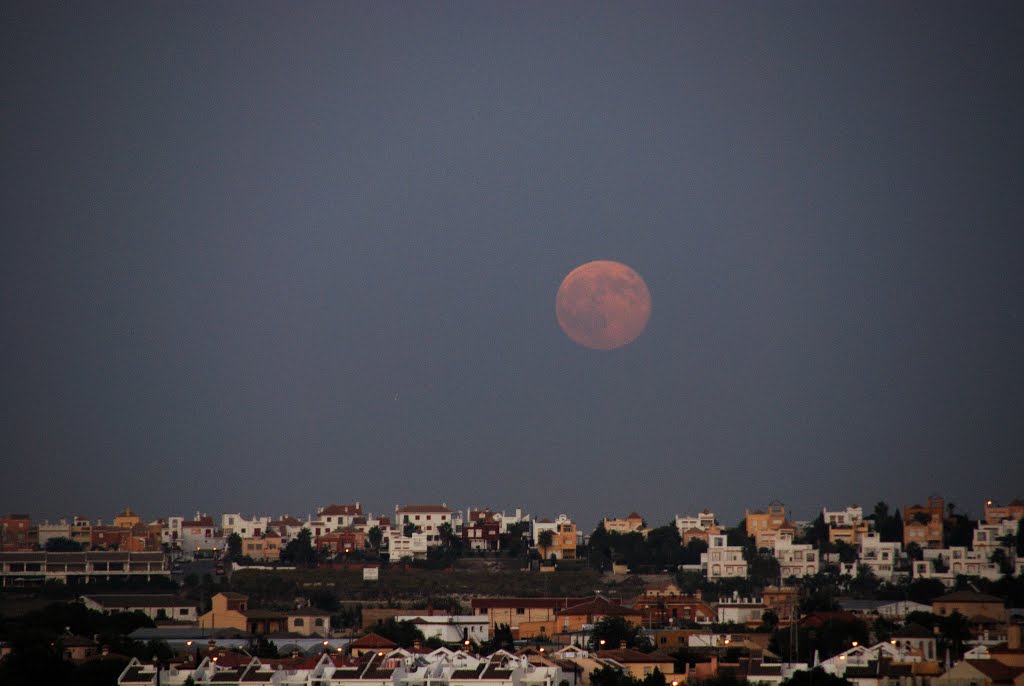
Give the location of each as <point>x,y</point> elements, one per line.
<point>262,257</point>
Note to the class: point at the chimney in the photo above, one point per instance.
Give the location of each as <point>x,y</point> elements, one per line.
<point>105,650</point>
<point>622,645</point>
<point>416,645</point>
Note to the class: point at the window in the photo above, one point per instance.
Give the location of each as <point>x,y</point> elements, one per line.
<point>299,621</point>
<point>183,611</point>
<point>520,610</point>
<point>319,621</point>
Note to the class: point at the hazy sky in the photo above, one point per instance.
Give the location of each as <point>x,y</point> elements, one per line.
<point>268,256</point>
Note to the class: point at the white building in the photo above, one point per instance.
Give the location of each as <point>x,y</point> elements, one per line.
<point>400,546</point>
<point>235,523</point>
<point>427,518</point>
<point>843,518</point>
<point>703,521</point>
<point>737,610</point>
<point>451,628</point>
<point>339,516</point>
<point>945,564</point>
<point>882,557</point>
<point>796,559</point>
<point>723,560</point>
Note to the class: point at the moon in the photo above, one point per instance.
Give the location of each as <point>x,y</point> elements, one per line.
<point>603,305</point>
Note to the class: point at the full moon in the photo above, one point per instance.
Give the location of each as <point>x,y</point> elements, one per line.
<point>603,305</point>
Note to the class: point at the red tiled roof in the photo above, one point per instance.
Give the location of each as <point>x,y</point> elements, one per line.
<point>341,510</point>
<point>372,640</point>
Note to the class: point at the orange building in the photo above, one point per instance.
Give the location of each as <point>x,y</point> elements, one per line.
<point>995,513</point>
<point>760,521</point>
<point>563,543</point>
<point>923,525</point>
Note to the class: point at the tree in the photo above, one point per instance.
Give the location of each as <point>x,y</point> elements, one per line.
<point>403,633</point>
<point>62,544</point>
<point>375,536</point>
<point>234,545</point>
<point>615,629</point>
<point>815,677</point>
<point>409,529</point>
<point>545,538</point>
<point>914,551</point>
<point>847,553</point>
<point>817,531</point>
<point>299,550</point>
<point>1000,558</point>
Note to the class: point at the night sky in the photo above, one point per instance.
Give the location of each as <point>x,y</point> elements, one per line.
<point>269,256</point>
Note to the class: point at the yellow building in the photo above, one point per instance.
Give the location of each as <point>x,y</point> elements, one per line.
<point>851,534</point>
<point>231,611</point>
<point>127,519</point>
<point>760,521</point>
<point>266,548</point>
<point>632,522</point>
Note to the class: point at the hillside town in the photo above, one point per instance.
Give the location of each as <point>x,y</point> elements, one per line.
<point>913,595</point>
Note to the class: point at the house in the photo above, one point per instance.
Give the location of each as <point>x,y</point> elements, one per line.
<point>796,559</point>
<point>451,628</point>
<point>576,617</point>
<point>639,665</point>
<point>880,556</point>
<point>428,519</point>
<point>518,611</point>
<point>723,560</point>
<point>846,526</point>
<point>414,546</point>
<point>946,564</point>
<point>200,533</point>
<point>235,523</point>
<point>370,644</point>
<point>14,532</point>
<point>335,516</point>
<point>923,525</point>
<point>697,526</point>
<point>127,519</point>
<point>342,540</point>
<point>161,606</point>
<point>231,610</point>
<point>981,673</point>
<point>264,548</point>
<point>995,513</point>
<point>761,521</point>
<point>309,621</point>
<point>563,538</point>
<point>914,641</point>
<point>738,610</point>
<point>629,524</point>
<point>287,527</point>
<point>970,604</point>
<point>482,530</point>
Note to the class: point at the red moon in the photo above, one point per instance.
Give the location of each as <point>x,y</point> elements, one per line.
<point>603,305</point>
